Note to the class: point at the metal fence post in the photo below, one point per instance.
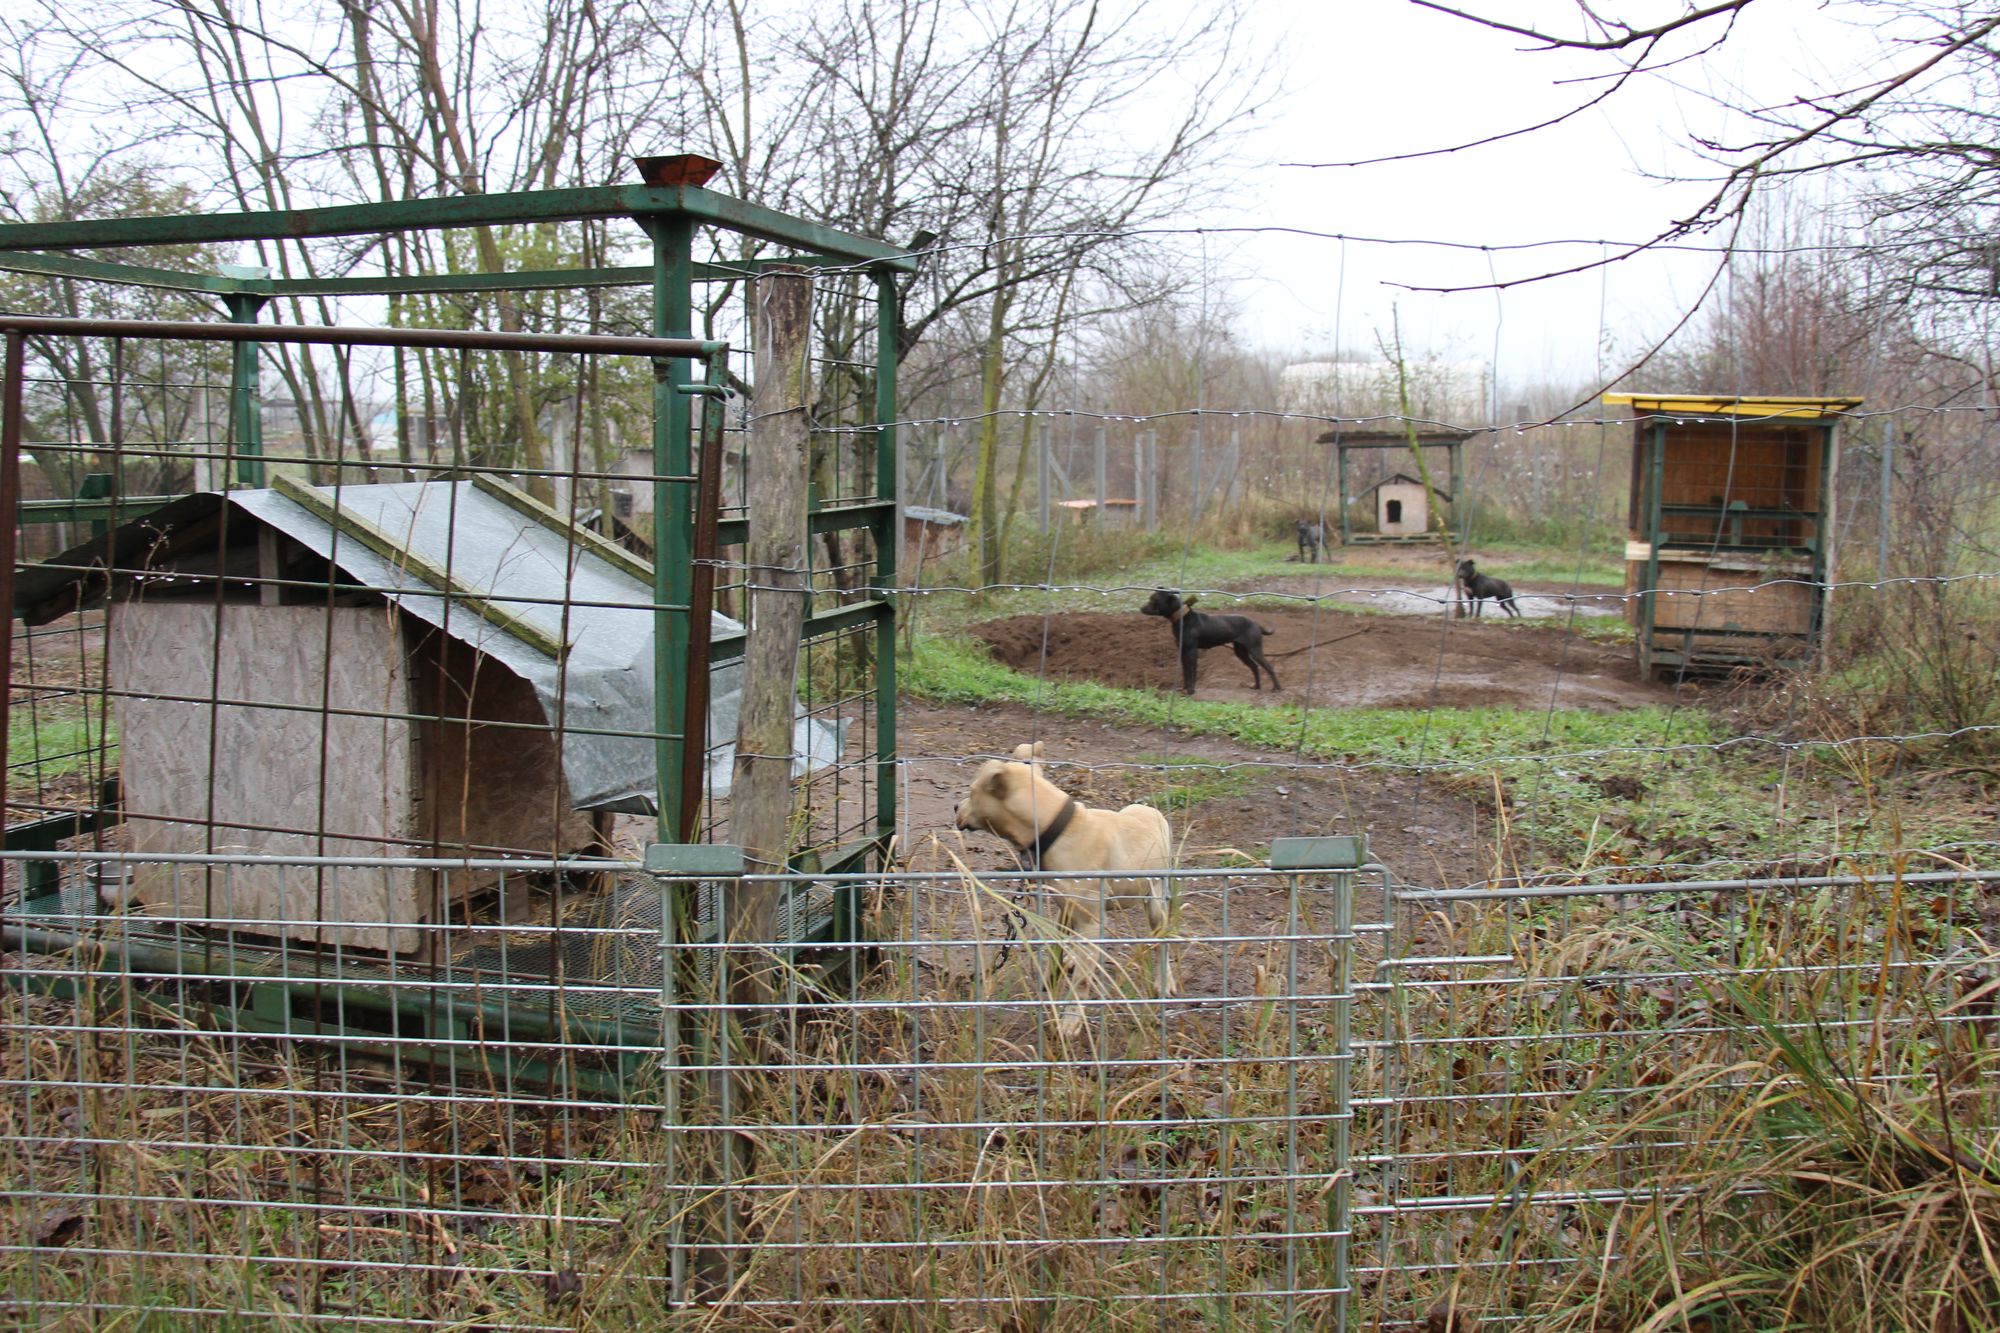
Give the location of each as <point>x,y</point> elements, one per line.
<point>691,879</point>
<point>1041,438</point>
<point>1194,508</point>
<point>1888,486</point>
<point>245,416</point>
<point>1342,855</point>
<point>1103,486</point>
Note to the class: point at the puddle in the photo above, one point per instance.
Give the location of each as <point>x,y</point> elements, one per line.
<point>1436,601</point>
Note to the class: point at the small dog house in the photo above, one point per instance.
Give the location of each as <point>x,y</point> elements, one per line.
<point>416,669</point>
<point>1730,527</point>
<point>1402,502</point>
<point>930,534</point>
<point>1402,506</point>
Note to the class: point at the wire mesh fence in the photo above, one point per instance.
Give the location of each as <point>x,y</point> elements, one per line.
<point>970,1113</point>
<point>1481,1103</point>
<point>1604,1105</point>
<point>344,982</point>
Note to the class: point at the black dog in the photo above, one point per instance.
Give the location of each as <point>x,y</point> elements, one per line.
<point>1480,586</point>
<point>1195,630</point>
<point>1311,538</point>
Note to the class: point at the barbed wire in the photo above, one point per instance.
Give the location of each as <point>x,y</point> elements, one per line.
<point>1342,593</point>
<point>1477,762</point>
<point>1391,419</point>
<point>1099,235</point>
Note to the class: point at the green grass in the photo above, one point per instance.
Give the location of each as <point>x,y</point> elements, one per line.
<point>1190,782</point>
<point>55,740</point>
<point>1540,567</point>
<point>1695,806</point>
<point>957,670</point>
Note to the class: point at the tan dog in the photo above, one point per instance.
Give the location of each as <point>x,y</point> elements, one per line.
<point>1051,830</point>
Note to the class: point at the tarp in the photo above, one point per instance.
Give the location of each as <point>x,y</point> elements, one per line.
<point>601,693</point>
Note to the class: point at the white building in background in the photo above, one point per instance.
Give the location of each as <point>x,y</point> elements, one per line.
<point>1454,391</point>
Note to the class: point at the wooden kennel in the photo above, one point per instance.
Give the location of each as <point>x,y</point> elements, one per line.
<point>1730,531</point>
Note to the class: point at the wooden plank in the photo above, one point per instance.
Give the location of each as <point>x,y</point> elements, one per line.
<point>1738,595</point>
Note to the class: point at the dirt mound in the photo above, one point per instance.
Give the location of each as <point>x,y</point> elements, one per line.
<point>1340,659</point>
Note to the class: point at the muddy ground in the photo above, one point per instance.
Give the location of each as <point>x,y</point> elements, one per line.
<point>1421,824</point>
<point>1327,657</point>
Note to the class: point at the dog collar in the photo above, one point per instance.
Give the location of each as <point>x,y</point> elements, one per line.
<point>1046,839</point>
<point>1180,614</point>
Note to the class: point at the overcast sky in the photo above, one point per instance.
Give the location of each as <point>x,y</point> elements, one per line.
<point>1375,77</point>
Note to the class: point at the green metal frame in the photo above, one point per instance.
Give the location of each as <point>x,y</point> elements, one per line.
<point>670,216</point>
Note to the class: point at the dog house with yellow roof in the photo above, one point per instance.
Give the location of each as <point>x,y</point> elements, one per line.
<point>1730,541</point>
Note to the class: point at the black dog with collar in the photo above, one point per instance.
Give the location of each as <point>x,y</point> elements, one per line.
<point>1479,587</point>
<point>1195,630</point>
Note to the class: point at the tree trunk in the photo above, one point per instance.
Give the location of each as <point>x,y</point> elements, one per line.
<point>985,534</point>
<point>761,797</point>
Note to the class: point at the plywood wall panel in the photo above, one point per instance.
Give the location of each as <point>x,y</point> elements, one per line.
<point>273,767</point>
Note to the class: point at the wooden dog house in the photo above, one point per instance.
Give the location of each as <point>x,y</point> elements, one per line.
<point>1402,508</point>
<point>1730,527</point>
<point>1402,503</point>
<point>417,669</point>
<point>930,534</point>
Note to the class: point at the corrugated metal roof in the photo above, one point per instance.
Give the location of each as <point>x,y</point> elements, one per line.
<point>604,684</point>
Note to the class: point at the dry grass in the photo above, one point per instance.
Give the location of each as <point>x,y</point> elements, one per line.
<point>1763,1112</point>
<point>1770,1111</point>
<point>937,1156</point>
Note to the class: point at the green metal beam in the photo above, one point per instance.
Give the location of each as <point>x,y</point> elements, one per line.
<point>602,201</point>
<point>57,265</point>
<point>122,508</point>
<point>535,280</point>
<point>673,514</point>
<point>833,518</point>
<point>729,647</point>
<point>888,543</point>
<point>132,275</point>
<point>1649,583</point>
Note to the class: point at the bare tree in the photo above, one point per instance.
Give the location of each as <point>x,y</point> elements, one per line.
<point>104,175</point>
<point>1913,132</point>
<point>1028,143</point>
<point>1027,180</point>
<point>343,101</point>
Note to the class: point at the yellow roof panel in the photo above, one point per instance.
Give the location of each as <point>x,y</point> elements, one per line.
<point>1714,405</point>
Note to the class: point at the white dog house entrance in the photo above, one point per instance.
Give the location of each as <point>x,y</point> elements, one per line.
<point>1401,507</point>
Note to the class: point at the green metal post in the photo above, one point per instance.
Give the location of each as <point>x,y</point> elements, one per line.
<point>1346,535</point>
<point>1461,511</point>
<point>887,539</point>
<point>673,588</point>
<point>673,510</point>
<point>99,486</point>
<point>246,421</point>
<point>1649,589</point>
<point>1822,557</point>
<point>1342,855</point>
